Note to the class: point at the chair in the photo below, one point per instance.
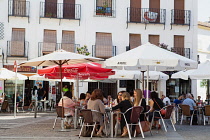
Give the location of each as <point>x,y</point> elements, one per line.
<point>59,111</point>
<point>206,113</point>
<point>88,120</point>
<point>134,119</point>
<point>169,110</point>
<point>148,108</point>
<point>186,112</point>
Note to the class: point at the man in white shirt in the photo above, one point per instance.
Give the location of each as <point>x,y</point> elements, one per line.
<point>166,100</point>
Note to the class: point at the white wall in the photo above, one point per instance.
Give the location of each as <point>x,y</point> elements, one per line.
<point>85,33</point>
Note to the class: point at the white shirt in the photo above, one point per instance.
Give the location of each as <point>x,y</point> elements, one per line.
<point>165,100</point>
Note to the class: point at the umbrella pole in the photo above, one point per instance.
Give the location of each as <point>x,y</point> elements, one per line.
<point>62,121</point>
<point>15,100</point>
<point>143,81</point>
<point>147,85</point>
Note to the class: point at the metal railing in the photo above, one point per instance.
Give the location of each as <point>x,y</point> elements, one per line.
<point>107,8</point>
<point>18,8</point>
<point>17,49</point>
<point>45,47</point>
<point>70,47</point>
<point>180,17</point>
<point>146,15</point>
<point>60,10</point>
<point>181,51</point>
<point>103,52</point>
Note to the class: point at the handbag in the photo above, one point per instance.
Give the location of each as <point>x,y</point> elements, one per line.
<point>162,111</point>
<point>145,127</point>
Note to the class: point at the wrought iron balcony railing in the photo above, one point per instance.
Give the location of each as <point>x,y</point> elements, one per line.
<point>105,9</point>
<point>180,17</point>
<point>45,48</point>
<point>103,51</point>
<point>18,8</point>
<point>146,15</point>
<point>60,10</point>
<point>17,49</point>
<point>181,51</point>
<point>70,47</point>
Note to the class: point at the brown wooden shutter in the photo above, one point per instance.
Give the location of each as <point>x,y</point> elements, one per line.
<point>179,45</point>
<point>69,9</point>
<point>179,11</point>
<point>103,45</point>
<point>19,7</point>
<point>134,40</point>
<point>68,40</point>
<point>154,6</point>
<point>135,10</point>
<point>51,8</point>
<point>18,42</point>
<point>50,41</point>
<point>154,39</point>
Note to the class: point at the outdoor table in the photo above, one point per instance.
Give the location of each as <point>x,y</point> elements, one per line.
<point>45,104</point>
<point>112,122</point>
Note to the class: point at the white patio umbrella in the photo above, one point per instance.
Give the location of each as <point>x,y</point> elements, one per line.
<point>6,74</point>
<point>202,72</point>
<point>182,74</point>
<point>150,57</point>
<point>60,58</point>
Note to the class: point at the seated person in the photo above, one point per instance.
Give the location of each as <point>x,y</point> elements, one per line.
<point>191,103</point>
<point>179,100</point>
<point>82,99</point>
<point>95,103</point>
<point>155,104</point>
<point>68,105</point>
<point>123,106</point>
<point>166,100</point>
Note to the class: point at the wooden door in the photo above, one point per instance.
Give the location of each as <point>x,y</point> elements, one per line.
<point>179,45</point>
<point>68,41</point>
<point>103,47</point>
<point>50,40</point>
<point>69,9</point>
<point>18,42</point>
<point>134,40</point>
<point>179,13</point>
<point>19,7</point>
<point>135,10</point>
<point>154,6</point>
<point>51,8</point>
<point>154,39</point>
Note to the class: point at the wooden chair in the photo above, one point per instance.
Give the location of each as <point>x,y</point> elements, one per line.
<point>206,113</point>
<point>186,112</point>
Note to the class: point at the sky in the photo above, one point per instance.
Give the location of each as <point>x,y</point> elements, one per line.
<point>203,10</point>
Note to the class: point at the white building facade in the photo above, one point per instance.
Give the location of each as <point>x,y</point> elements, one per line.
<point>31,28</point>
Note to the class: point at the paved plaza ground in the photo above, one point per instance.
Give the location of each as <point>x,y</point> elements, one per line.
<point>26,127</point>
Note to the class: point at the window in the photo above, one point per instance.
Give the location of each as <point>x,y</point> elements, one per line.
<point>179,41</point>
<point>104,47</point>
<point>68,41</point>
<point>18,42</point>
<point>69,9</point>
<point>134,40</point>
<point>154,39</point>
<point>19,7</point>
<point>105,7</point>
<point>50,41</point>
<point>51,8</point>
<point>179,12</point>
<point>154,6</point>
<point>135,10</point>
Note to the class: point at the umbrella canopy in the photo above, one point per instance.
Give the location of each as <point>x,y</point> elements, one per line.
<point>202,72</point>
<point>6,74</point>
<point>81,71</point>
<point>182,74</point>
<point>125,74</point>
<point>153,56</point>
<point>59,57</point>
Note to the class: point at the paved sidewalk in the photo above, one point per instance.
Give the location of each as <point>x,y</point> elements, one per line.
<point>26,127</point>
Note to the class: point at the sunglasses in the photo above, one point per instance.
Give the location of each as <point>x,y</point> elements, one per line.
<point>119,94</point>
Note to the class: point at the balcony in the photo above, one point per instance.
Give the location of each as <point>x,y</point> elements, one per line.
<point>181,51</point>
<point>18,9</point>
<point>105,8</point>
<point>180,17</point>
<point>17,49</point>
<point>60,11</point>
<point>46,48</point>
<point>103,51</point>
<point>146,16</point>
